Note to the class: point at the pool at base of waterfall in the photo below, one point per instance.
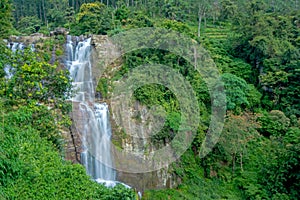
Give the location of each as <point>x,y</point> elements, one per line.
<point>109,183</point>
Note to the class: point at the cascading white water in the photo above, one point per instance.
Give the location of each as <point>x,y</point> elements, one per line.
<point>15,46</point>
<point>95,129</point>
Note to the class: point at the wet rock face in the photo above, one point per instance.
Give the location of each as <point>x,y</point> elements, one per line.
<point>152,180</point>
<point>138,150</point>
<point>32,39</point>
<point>104,55</point>
<point>107,60</point>
<point>73,142</point>
<point>101,55</point>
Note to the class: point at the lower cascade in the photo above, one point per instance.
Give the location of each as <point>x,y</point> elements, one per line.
<point>97,157</point>
<point>95,127</point>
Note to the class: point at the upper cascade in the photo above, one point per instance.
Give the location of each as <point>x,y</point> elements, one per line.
<point>80,67</point>
<point>95,127</point>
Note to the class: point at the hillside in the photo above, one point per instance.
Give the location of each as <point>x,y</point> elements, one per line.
<point>208,91</point>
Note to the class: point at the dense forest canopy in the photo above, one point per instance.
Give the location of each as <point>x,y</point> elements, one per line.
<point>256,47</point>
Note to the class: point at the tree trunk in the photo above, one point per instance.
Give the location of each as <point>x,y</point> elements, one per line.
<point>44,12</point>
<point>77,5</point>
<point>204,15</point>
<point>241,155</point>
<point>195,58</point>
<point>199,22</point>
<point>233,163</point>
<point>40,12</point>
<point>22,14</point>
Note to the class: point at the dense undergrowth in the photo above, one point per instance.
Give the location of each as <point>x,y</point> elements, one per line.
<point>255,46</point>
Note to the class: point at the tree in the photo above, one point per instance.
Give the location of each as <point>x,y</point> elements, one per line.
<point>238,131</point>
<point>274,123</point>
<point>28,25</point>
<point>34,81</point>
<point>236,95</point>
<point>280,176</point>
<point>31,168</point>
<point>70,16</point>
<point>269,42</point>
<point>202,9</point>
<point>5,18</point>
<point>93,18</point>
<point>228,9</point>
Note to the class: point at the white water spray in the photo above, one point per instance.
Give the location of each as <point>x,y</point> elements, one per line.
<point>95,129</point>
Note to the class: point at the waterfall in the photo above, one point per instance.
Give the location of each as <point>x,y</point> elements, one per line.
<point>14,47</point>
<point>95,127</point>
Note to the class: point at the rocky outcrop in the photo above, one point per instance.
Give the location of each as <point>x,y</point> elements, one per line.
<point>32,39</point>
<point>136,140</point>
<point>138,152</point>
<point>72,137</point>
<point>49,48</point>
<point>106,60</point>
<point>105,56</point>
<point>59,31</point>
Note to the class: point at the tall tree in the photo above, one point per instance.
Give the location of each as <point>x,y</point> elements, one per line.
<point>5,18</point>
<point>93,18</point>
<point>269,42</point>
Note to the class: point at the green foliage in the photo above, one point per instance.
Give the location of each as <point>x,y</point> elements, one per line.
<point>135,19</point>
<point>51,50</point>
<point>280,176</point>
<point>228,9</point>
<point>70,16</point>
<point>154,95</point>
<point>254,97</point>
<point>239,94</point>
<point>102,87</point>
<point>92,18</point>
<point>238,132</point>
<point>56,17</point>
<point>267,41</point>
<point>35,81</point>
<point>28,25</point>
<point>220,52</point>
<point>274,123</point>
<point>177,26</point>
<point>139,20</point>
<point>122,13</point>
<point>5,18</point>
<point>31,168</point>
<point>195,185</point>
<point>255,45</point>
<point>42,88</point>
<point>236,89</point>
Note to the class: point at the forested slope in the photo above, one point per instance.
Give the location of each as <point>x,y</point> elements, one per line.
<point>255,46</point>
